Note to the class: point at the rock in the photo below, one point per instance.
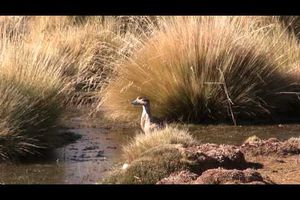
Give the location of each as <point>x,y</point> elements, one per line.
<point>84,156</point>
<point>207,156</point>
<point>272,146</point>
<point>182,177</point>
<point>125,166</point>
<point>233,176</point>
<point>291,146</point>
<point>279,161</point>
<point>90,148</point>
<point>100,154</point>
<point>111,147</point>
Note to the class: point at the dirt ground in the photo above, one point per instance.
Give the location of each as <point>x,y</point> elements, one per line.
<point>280,169</point>
<point>254,162</point>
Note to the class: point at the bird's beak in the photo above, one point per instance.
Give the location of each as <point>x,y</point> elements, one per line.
<point>134,102</point>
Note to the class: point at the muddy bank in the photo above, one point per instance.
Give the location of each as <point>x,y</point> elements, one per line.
<point>273,162</point>
<point>212,164</point>
<point>255,146</point>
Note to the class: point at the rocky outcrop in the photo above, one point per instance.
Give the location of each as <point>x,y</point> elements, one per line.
<point>226,164</point>
<point>217,176</point>
<point>271,146</point>
<point>232,176</point>
<point>208,156</point>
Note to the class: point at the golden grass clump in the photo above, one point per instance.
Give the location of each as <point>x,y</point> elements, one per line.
<point>292,23</point>
<point>157,163</point>
<point>87,50</point>
<point>91,46</point>
<point>153,156</point>
<point>209,68</point>
<point>48,63</point>
<point>31,99</point>
<point>143,142</point>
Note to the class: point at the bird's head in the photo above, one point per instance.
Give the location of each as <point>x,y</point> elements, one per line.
<point>140,101</point>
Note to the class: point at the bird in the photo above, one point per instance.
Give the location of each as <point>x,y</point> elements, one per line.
<point>148,123</point>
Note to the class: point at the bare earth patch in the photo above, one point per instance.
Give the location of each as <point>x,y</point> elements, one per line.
<point>271,146</point>
<point>278,163</point>
<point>280,169</point>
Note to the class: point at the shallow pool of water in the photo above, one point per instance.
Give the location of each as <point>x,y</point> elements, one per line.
<point>85,161</point>
<point>89,159</point>
<point>236,135</point>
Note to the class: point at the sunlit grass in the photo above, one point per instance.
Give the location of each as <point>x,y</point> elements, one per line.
<point>209,68</point>
<point>143,142</point>
<point>50,63</point>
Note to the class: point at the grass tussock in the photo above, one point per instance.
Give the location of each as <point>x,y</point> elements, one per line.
<point>49,63</point>
<point>153,156</point>
<point>31,99</point>
<point>163,159</point>
<point>87,49</point>
<point>210,68</point>
<point>292,23</point>
<point>143,142</point>
<point>157,163</point>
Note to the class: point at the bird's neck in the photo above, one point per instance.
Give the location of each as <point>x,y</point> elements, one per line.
<point>146,111</point>
<point>146,118</point>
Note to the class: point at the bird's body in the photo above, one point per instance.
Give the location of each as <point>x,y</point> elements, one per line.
<point>148,123</point>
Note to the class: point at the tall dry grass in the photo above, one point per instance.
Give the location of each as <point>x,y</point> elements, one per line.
<point>215,68</point>
<point>49,62</point>
<point>36,58</point>
<point>292,23</point>
<point>93,46</point>
<point>30,95</point>
<point>89,48</point>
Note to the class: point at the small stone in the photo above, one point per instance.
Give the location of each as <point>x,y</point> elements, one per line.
<point>100,154</point>
<point>90,148</point>
<point>111,147</point>
<point>84,156</point>
<point>279,161</point>
<point>125,166</point>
